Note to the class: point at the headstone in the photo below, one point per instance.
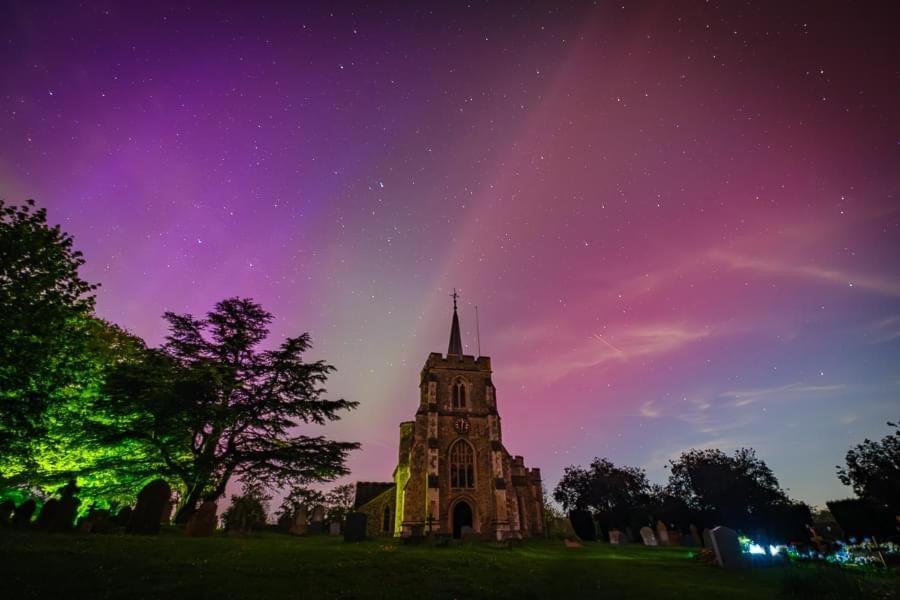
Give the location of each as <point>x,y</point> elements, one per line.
<point>466,531</point>
<point>298,523</point>
<point>583,524</point>
<point>123,516</point>
<point>152,501</point>
<point>647,536</point>
<point>68,507</point>
<point>688,540</point>
<point>662,533</point>
<point>675,537</point>
<point>615,536</point>
<point>355,527</point>
<point>48,514</point>
<point>334,528</point>
<point>573,544</point>
<point>7,508</point>
<point>166,516</point>
<point>203,522</point>
<point>317,521</point>
<point>96,521</point>
<point>695,533</point>
<point>726,546</point>
<point>22,515</point>
<point>707,540</point>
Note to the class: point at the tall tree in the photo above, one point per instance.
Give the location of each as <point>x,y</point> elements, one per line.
<point>212,405</point>
<point>873,470</point>
<point>609,491</point>
<point>45,306</point>
<point>735,490</point>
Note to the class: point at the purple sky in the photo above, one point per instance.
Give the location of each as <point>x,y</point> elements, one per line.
<point>679,221</point>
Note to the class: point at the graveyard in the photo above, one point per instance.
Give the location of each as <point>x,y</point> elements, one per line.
<point>449,300</point>
<point>324,566</point>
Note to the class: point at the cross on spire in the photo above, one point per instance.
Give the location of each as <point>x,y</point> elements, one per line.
<point>455,348</point>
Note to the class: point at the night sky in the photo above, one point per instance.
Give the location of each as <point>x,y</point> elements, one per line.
<point>679,220</point>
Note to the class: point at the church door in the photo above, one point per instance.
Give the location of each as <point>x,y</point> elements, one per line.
<point>462,516</point>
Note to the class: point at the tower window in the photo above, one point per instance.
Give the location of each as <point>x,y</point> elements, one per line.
<point>459,394</point>
<point>386,520</point>
<point>462,465</point>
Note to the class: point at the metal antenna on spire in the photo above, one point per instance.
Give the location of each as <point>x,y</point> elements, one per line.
<point>454,295</point>
<point>477,332</point>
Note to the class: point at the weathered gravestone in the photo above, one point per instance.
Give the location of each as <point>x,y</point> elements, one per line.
<point>122,517</point>
<point>334,528</point>
<point>96,521</point>
<point>583,524</point>
<point>166,516</point>
<point>59,515</point>
<point>615,536</point>
<point>675,537</point>
<point>662,534</point>
<point>68,507</point>
<point>23,513</point>
<point>7,508</point>
<point>152,502</point>
<point>48,518</point>
<point>298,523</point>
<point>726,546</point>
<point>688,540</point>
<point>707,540</point>
<point>203,522</point>
<point>467,532</point>
<point>317,522</point>
<point>647,536</point>
<point>354,527</point>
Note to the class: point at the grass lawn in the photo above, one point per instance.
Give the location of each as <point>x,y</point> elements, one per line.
<point>275,566</point>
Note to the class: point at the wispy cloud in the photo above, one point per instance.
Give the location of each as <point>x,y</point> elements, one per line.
<point>750,396</point>
<point>886,329</point>
<point>650,410</point>
<point>890,287</point>
<point>598,350</point>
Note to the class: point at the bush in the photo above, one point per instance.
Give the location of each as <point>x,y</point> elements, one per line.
<point>245,515</point>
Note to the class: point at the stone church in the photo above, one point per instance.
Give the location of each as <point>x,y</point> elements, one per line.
<point>454,475</point>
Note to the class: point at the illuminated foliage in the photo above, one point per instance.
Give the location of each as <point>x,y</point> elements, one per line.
<point>211,405</point>
<point>45,308</point>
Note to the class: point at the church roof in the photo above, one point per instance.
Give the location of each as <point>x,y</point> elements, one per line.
<point>455,347</point>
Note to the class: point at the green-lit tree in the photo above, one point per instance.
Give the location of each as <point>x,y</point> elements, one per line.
<point>211,405</point>
<point>107,472</point>
<point>43,320</point>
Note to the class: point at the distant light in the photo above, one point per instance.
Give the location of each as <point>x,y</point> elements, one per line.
<point>774,550</point>
<point>757,549</point>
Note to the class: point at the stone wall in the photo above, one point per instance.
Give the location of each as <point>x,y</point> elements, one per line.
<point>375,511</point>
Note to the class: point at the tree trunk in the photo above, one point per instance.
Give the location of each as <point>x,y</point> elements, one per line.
<point>190,505</point>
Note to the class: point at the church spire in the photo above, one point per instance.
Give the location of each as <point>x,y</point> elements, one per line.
<point>455,348</point>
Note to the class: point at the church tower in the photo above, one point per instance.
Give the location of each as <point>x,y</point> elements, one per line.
<point>454,476</point>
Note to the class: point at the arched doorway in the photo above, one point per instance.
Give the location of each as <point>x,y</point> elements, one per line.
<point>462,516</point>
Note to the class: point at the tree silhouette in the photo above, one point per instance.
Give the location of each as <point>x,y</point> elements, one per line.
<point>873,470</point>
<point>212,405</point>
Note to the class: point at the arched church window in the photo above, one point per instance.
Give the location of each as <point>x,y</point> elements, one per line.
<point>386,520</point>
<point>459,394</point>
<point>462,465</point>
